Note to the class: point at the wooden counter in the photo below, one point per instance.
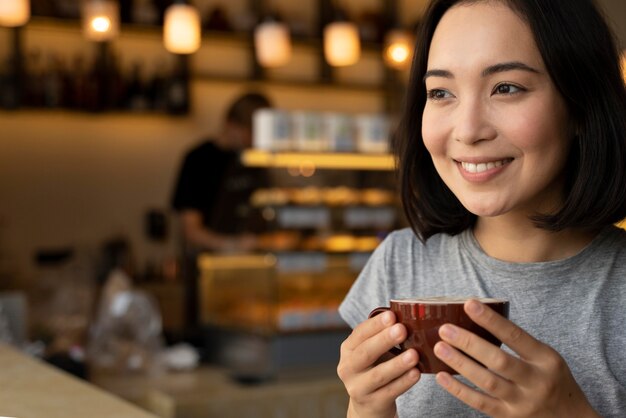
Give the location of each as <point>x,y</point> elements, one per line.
<point>30,388</point>
<point>209,392</point>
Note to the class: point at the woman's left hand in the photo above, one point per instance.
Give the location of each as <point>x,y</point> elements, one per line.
<point>536,383</point>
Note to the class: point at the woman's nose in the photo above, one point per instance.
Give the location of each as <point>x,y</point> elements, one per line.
<point>472,123</point>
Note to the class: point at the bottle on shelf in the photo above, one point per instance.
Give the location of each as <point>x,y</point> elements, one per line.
<point>157,88</point>
<point>178,88</point>
<point>93,94</point>
<point>53,82</point>
<point>34,77</point>
<point>115,82</point>
<point>136,98</point>
<point>10,93</point>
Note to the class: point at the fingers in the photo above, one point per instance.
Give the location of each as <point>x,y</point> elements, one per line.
<point>503,329</point>
<point>372,385</point>
<point>489,382</point>
<point>473,398</point>
<point>393,377</point>
<point>368,329</point>
<point>491,357</point>
<point>372,348</point>
<point>368,342</point>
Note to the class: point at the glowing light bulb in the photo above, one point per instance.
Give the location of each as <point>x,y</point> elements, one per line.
<point>14,13</point>
<point>342,46</point>
<point>101,20</point>
<point>399,49</point>
<point>181,29</point>
<point>101,24</point>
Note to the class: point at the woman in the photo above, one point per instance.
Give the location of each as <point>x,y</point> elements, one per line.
<point>512,175</point>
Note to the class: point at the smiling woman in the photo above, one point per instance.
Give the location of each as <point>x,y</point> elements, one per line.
<point>494,123</point>
<point>512,175</point>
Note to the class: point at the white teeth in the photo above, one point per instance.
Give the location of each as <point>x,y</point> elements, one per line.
<point>479,168</point>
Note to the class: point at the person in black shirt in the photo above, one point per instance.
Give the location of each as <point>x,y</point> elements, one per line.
<point>213,188</point>
<point>212,195</point>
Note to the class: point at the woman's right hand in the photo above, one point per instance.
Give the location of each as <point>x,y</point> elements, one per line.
<point>373,386</point>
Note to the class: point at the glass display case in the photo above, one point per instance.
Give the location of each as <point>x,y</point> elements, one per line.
<point>278,308</point>
<point>289,292</point>
<point>264,314</point>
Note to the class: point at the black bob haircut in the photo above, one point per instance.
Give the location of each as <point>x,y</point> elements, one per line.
<point>583,61</point>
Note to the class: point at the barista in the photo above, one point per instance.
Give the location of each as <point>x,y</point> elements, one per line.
<point>212,194</point>
<point>213,189</point>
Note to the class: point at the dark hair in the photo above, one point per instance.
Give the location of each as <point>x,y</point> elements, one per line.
<point>242,109</point>
<point>583,60</point>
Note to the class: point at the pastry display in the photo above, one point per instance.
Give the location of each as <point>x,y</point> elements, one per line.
<point>340,196</point>
<point>376,197</point>
<point>307,196</point>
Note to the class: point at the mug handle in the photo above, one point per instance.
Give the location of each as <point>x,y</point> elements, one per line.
<point>396,351</point>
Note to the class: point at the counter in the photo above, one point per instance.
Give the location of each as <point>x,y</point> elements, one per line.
<point>210,392</point>
<point>33,389</point>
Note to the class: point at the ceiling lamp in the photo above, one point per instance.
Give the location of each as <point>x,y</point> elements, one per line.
<point>398,51</point>
<point>14,13</point>
<point>272,43</point>
<point>181,29</point>
<point>342,46</point>
<point>101,20</point>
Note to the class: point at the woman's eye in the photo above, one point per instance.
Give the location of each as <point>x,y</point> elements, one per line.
<point>507,89</point>
<point>438,94</point>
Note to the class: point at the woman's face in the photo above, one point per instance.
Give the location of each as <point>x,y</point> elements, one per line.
<point>495,125</point>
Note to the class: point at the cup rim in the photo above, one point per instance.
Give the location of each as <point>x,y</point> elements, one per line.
<point>447,300</point>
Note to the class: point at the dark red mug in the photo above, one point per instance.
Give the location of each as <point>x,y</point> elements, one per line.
<point>423,317</point>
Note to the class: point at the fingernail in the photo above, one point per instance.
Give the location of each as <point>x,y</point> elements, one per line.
<point>442,351</point>
<point>443,379</point>
<point>448,331</point>
<point>387,318</point>
<point>395,331</point>
<point>474,307</point>
<point>408,357</point>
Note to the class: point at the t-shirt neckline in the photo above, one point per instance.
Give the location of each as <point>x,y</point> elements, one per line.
<point>475,251</point>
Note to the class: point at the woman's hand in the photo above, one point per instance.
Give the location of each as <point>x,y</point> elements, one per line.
<point>373,387</point>
<point>538,383</point>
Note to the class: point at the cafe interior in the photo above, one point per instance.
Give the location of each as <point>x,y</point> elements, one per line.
<point>105,308</point>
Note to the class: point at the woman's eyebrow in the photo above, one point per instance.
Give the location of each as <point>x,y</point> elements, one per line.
<point>508,66</point>
<point>492,69</point>
<point>438,73</point>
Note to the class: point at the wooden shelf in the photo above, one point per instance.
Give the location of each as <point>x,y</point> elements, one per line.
<point>336,161</point>
<point>306,84</point>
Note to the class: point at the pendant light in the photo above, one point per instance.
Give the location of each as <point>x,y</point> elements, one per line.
<point>624,65</point>
<point>342,45</point>
<point>14,13</point>
<point>101,20</point>
<point>181,28</point>
<point>272,43</point>
<point>398,51</point>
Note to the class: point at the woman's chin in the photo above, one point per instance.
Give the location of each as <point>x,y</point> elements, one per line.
<point>484,210</point>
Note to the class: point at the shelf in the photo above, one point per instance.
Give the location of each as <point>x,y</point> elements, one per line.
<point>313,85</point>
<point>336,161</point>
<point>311,41</point>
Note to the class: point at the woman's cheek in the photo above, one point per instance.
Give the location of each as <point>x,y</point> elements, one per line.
<point>432,133</point>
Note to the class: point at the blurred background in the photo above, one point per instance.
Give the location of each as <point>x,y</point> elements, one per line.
<point>100,101</point>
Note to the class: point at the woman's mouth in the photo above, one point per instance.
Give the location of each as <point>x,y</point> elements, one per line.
<point>482,167</point>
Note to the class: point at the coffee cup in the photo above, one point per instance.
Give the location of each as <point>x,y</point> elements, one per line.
<point>423,317</point>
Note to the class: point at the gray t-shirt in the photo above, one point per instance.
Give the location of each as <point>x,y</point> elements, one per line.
<point>575,305</point>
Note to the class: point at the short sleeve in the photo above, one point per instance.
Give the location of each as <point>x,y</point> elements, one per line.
<point>198,180</point>
<point>370,289</point>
